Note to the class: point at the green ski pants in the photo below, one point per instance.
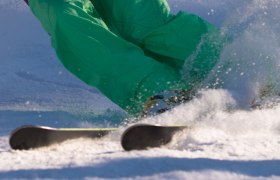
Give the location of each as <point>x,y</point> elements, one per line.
<point>129,49</point>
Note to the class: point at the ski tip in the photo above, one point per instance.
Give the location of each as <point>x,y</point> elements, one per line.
<point>144,136</point>
<point>17,140</point>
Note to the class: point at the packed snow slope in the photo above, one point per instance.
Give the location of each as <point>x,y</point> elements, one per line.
<point>228,139</point>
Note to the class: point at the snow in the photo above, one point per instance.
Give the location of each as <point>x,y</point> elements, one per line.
<point>228,140</point>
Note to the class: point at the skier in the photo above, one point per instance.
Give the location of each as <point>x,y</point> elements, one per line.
<point>131,49</point>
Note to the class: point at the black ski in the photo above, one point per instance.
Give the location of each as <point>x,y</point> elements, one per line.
<point>135,137</point>
<point>29,137</point>
<point>144,136</point>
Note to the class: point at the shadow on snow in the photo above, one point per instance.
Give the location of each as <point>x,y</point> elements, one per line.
<point>141,167</point>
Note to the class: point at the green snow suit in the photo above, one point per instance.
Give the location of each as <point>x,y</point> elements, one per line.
<point>129,49</point>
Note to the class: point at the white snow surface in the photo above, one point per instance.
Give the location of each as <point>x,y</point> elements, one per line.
<point>228,140</point>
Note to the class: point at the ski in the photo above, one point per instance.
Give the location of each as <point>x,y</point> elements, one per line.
<point>135,137</point>
<point>30,137</point>
<point>144,136</point>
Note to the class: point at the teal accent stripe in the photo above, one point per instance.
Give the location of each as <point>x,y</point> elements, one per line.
<point>88,129</point>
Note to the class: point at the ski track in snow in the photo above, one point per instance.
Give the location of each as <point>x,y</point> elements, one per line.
<point>225,142</point>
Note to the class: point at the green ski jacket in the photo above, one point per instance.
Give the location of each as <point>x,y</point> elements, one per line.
<point>129,49</point>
